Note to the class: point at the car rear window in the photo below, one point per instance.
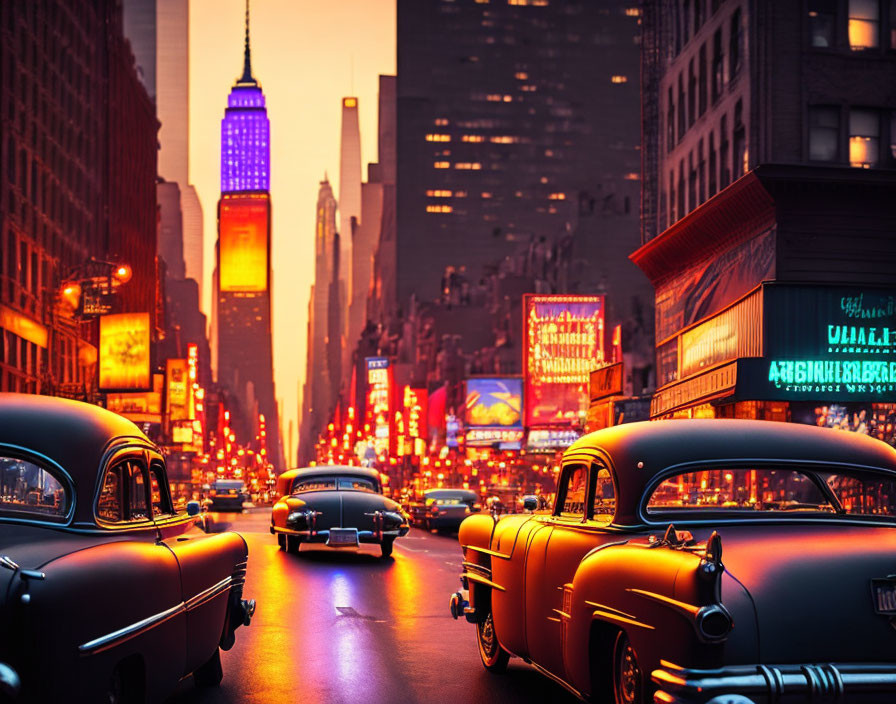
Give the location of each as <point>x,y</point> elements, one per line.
<point>863,493</point>
<point>28,490</point>
<point>738,490</point>
<point>332,483</point>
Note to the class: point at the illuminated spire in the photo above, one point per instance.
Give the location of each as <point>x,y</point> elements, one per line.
<point>247,61</point>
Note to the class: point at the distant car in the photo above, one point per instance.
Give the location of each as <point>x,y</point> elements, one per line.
<point>336,506</point>
<point>227,495</point>
<point>444,509</point>
<point>106,593</point>
<point>624,594</point>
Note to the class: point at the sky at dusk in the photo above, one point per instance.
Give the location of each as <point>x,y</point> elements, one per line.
<point>307,55</point>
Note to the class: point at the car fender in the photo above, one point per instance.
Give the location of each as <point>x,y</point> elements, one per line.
<point>645,588</point>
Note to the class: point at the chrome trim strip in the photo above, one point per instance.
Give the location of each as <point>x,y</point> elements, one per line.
<point>98,645</point>
<point>208,594</point>
<point>482,580</point>
<point>481,570</point>
<point>563,683</point>
<point>679,606</point>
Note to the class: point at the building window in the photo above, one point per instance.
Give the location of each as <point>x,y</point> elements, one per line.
<point>735,45</point>
<point>701,81</point>
<point>893,134</point>
<point>739,141</point>
<point>712,164</point>
<point>692,94</point>
<point>698,16</point>
<point>670,127</point>
<point>701,173</point>
<point>692,183</point>
<point>864,138</point>
<point>686,19</point>
<point>682,108</point>
<point>672,216</point>
<point>893,24</point>
<point>821,22</point>
<point>718,66</point>
<point>864,24</point>
<point>824,133</point>
<point>681,189</point>
<point>724,168</point>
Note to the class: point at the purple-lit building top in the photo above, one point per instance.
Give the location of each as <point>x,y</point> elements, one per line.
<point>245,136</point>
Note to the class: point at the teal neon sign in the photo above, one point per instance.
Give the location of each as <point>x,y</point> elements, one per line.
<point>852,376</point>
<point>860,339</point>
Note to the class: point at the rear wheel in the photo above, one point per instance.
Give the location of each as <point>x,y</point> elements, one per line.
<point>281,541</point>
<point>494,657</point>
<point>386,546</point>
<point>210,673</point>
<point>628,680</point>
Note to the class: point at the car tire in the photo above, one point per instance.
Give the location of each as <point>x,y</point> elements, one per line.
<point>210,673</point>
<point>281,541</point>
<point>494,657</point>
<point>386,547</point>
<point>628,679</point>
<point>292,543</point>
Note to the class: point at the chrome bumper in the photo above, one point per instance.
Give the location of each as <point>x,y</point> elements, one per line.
<point>10,684</point>
<point>770,684</point>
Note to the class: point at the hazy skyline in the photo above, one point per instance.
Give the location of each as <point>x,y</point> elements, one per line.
<point>307,56</point>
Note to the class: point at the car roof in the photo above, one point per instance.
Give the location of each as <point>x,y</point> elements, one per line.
<point>72,434</point>
<point>640,451</point>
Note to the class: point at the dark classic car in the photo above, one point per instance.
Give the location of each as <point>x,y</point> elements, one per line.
<point>106,594</point>
<point>227,495</point>
<point>337,506</point>
<point>623,592</point>
<point>443,509</point>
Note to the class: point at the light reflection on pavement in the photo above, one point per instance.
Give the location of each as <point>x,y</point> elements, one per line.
<point>347,627</point>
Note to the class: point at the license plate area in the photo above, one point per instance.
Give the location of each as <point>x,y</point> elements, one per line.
<point>883,595</point>
<point>343,537</point>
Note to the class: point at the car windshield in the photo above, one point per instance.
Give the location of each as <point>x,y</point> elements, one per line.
<point>332,483</point>
<point>739,490</point>
<point>30,491</point>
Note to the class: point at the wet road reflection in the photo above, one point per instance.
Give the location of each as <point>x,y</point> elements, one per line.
<point>349,627</point>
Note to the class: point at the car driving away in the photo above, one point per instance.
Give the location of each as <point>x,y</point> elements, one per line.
<point>340,507</point>
<point>227,495</point>
<point>107,594</point>
<point>686,560</point>
<point>445,509</point>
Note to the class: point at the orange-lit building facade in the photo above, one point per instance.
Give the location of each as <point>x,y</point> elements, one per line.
<point>768,177</point>
<point>78,150</point>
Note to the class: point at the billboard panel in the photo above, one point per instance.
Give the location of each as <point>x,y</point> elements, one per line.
<point>180,390</point>
<point>379,396</point>
<point>494,402</point>
<point>124,352</point>
<point>243,243</point>
<point>563,340</point>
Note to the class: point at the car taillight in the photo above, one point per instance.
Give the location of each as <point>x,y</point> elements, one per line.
<point>435,511</point>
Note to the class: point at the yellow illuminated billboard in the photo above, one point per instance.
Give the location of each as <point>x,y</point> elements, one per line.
<point>124,352</point>
<point>243,243</point>
<point>180,390</point>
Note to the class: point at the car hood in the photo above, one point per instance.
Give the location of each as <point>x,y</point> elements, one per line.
<point>811,588</point>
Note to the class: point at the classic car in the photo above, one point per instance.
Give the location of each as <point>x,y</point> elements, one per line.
<point>336,506</point>
<point>227,495</point>
<point>106,593</point>
<point>443,509</point>
<point>623,593</point>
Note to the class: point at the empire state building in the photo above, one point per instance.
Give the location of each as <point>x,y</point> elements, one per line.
<point>243,277</point>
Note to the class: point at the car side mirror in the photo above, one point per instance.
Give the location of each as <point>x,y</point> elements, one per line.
<point>530,502</point>
<point>193,508</point>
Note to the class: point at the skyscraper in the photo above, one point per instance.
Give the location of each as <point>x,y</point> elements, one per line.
<point>349,207</point>
<point>512,116</point>
<point>243,291</point>
<point>317,397</point>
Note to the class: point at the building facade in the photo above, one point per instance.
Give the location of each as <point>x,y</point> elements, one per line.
<point>77,189</point>
<point>769,175</point>
<point>243,276</point>
<point>510,118</point>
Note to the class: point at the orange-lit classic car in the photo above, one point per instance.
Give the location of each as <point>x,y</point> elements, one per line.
<point>340,507</point>
<point>623,592</point>
<point>107,594</point>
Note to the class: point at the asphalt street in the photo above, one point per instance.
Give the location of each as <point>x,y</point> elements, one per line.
<point>348,627</point>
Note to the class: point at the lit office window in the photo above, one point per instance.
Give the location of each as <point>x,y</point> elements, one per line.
<point>472,138</point>
<point>864,138</point>
<point>618,79</point>
<point>439,209</point>
<point>438,138</point>
<point>441,165</point>
<point>824,133</point>
<point>864,24</point>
